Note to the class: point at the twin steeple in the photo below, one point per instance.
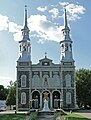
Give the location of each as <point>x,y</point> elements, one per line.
<point>66,42</point>
<point>25,43</point>
<point>25,30</point>
<point>66,29</point>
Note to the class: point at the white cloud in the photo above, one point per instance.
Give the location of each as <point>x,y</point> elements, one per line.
<point>44,27</point>
<point>46,30</point>
<point>13,27</point>
<point>74,11</point>
<point>18,36</point>
<point>5,81</point>
<point>42,9</point>
<point>3,22</point>
<point>16,30</point>
<point>54,12</point>
<point>64,3</point>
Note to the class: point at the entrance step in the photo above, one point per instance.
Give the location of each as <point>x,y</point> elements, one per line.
<point>43,115</point>
<point>40,113</point>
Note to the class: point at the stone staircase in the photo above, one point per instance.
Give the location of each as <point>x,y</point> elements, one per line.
<point>43,115</point>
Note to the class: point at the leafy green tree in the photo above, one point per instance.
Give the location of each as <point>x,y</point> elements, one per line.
<point>3,92</point>
<point>83,87</point>
<point>11,97</point>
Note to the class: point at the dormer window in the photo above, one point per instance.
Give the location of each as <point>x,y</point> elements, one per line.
<point>45,63</point>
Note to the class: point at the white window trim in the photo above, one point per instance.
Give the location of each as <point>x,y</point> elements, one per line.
<point>23,81</point>
<point>68,80</point>
<point>68,98</point>
<point>23,98</point>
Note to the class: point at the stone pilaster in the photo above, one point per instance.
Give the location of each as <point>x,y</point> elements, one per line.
<point>51,100</point>
<point>40,100</point>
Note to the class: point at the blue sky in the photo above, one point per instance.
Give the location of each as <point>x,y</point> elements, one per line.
<point>45,20</point>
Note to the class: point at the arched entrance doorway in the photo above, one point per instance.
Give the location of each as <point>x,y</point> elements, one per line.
<point>56,99</point>
<point>35,100</point>
<point>46,95</point>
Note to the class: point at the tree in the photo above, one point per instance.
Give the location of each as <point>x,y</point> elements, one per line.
<point>83,87</point>
<point>3,92</point>
<point>11,98</point>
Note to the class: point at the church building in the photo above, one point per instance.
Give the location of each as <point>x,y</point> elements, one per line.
<point>45,79</point>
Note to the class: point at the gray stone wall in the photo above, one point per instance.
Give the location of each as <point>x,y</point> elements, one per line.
<point>23,106</point>
<point>19,74</point>
<point>72,105</point>
<point>64,73</point>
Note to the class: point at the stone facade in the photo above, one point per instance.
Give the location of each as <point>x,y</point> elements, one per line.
<point>56,80</point>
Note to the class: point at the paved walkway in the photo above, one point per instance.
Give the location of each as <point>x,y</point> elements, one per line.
<point>85,113</point>
<point>46,117</point>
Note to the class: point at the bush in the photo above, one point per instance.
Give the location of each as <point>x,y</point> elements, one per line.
<point>33,116</point>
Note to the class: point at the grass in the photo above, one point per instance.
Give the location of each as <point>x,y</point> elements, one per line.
<point>32,116</point>
<point>13,117</point>
<point>76,117</point>
<point>72,116</point>
<point>26,117</point>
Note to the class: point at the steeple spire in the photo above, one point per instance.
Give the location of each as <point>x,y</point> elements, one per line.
<point>25,43</point>
<point>66,29</point>
<point>25,16</point>
<point>66,42</point>
<point>25,30</point>
<point>65,18</point>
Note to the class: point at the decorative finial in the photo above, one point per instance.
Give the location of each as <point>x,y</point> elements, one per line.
<point>25,30</point>
<point>45,54</point>
<point>65,16</point>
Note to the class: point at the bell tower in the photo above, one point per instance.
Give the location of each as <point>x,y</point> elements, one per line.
<point>66,42</point>
<point>25,43</point>
<point>23,84</point>
<point>67,68</point>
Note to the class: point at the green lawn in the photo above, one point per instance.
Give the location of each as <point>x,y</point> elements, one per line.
<point>71,117</point>
<point>76,117</point>
<point>26,117</point>
<point>13,117</point>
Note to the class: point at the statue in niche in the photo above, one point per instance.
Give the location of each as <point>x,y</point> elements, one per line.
<point>46,95</point>
<point>45,82</point>
<point>46,107</point>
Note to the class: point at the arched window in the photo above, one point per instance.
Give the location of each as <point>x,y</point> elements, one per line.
<point>35,81</point>
<point>62,47</point>
<point>68,80</point>
<point>68,98</point>
<point>66,47</point>
<point>23,81</point>
<point>23,98</point>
